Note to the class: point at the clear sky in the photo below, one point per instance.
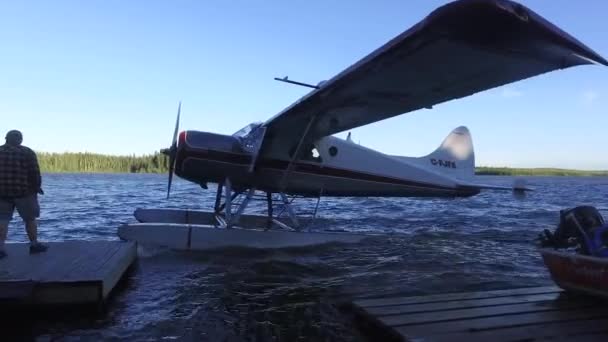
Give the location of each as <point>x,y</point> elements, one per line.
<point>106,76</point>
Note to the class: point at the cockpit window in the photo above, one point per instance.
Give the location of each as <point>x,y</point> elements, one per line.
<point>241,133</point>
<point>250,137</point>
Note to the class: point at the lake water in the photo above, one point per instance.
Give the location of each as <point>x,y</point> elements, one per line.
<point>430,246</point>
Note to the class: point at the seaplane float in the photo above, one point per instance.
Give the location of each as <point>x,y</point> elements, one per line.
<point>459,49</point>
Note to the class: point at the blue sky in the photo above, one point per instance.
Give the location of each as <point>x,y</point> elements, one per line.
<point>106,76</point>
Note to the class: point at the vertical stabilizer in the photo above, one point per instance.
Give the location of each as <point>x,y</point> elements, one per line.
<point>455,157</point>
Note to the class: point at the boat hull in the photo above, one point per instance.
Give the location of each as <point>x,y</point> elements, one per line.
<point>575,272</point>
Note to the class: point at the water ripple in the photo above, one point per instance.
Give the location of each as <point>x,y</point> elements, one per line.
<point>429,246</point>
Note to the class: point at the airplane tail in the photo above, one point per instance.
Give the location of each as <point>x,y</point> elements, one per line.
<point>455,156</point>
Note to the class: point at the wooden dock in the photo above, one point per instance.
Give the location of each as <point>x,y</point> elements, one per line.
<point>68,273</point>
<point>525,314</point>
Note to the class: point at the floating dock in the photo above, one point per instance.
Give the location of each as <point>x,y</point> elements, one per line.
<point>524,314</point>
<point>68,273</point>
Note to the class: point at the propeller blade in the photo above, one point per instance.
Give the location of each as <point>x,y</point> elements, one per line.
<point>179,109</point>
<point>172,151</point>
<point>170,176</point>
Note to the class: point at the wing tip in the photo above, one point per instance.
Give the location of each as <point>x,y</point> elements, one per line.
<point>595,60</point>
<point>495,15</point>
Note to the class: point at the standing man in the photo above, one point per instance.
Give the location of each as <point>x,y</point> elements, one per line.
<point>20,184</point>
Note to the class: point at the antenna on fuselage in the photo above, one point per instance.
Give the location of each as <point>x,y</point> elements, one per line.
<point>287,80</point>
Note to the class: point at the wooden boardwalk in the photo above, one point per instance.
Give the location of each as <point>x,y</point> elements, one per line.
<point>70,272</point>
<point>525,314</point>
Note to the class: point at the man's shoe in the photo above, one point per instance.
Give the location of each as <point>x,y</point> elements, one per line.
<point>38,248</point>
<point>2,254</point>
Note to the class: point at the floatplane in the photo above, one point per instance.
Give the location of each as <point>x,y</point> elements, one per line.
<point>460,49</point>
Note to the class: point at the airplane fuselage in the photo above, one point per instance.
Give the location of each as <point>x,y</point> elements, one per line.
<point>329,167</point>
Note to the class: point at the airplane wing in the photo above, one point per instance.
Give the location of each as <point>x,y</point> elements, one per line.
<point>460,49</point>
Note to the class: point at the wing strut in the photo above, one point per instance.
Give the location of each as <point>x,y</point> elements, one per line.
<point>287,171</point>
<point>226,218</point>
<point>256,148</point>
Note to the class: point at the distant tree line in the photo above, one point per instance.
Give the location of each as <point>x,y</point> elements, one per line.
<point>507,171</point>
<point>99,163</point>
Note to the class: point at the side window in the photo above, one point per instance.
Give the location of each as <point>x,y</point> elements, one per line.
<point>312,154</point>
<point>333,151</point>
<point>308,153</point>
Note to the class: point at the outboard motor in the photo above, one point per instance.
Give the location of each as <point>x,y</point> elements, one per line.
<point>582,227</point>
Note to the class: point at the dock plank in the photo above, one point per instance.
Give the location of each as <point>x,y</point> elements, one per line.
<point>121,260</point>
<point>77,256</point>
<point>469,313</point>
<point>504,315</point>
<point>455,296</point>
<point>592,329</point>
<point>91,262</point>
<point>459,304</point>
<point>498,322</point>
<point>69,272</point>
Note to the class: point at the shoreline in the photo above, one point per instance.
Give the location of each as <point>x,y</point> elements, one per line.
<point>508,171</point>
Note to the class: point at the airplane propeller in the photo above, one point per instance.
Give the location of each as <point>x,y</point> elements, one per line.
<point>172,151</point>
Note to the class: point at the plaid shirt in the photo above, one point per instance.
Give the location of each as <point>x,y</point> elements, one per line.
<point>19,171</point>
